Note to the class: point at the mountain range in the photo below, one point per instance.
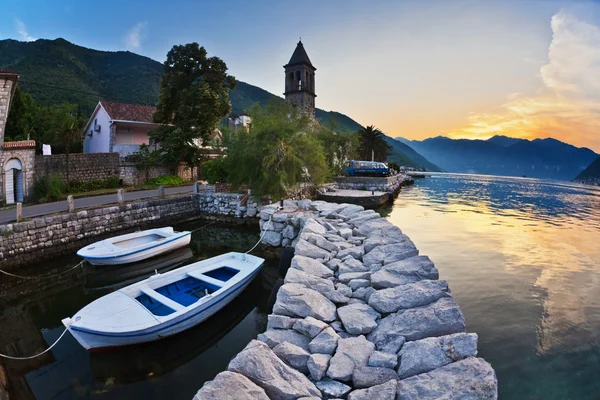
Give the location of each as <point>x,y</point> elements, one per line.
<point>55,71</point>
<point>501,155</point>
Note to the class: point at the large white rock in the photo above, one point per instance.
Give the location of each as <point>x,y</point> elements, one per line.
<point>351,265</point>
<point>412,295</point>
<point>299,301</point>
<point>382,359</point>
<point>351,210</point>
<point>354,252</point>
<point>280,322</point>
<point>410,270</point>
<point>273,337</point>
<point>367,227</point>
<point>310,266</point>
<point>317,365</point>
<point>304,248</point>
<point>471,378</point>
<point>383,237</point>
<point>364,377</point>
<point>319,241</point>
<point>230,385</point>
<point>436,319</point>
<point>332,389</point>
<point>312,226</point>
<point>272,238</point>
<point>321,285</point>
<point>310,326</point>
<point>325,342</point>
<point>350,353</point>
<point>390,253</point>
<point>385,391</point>
<point>430,353</point>
<point>358,318</point>
<point>293,356</point>
<point>258,363</point>
<point>348,276</point>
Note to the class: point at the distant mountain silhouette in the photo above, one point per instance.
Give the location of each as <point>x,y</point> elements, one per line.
<point>590,175</point>
<point>501,155</point>
<point>403,154</point>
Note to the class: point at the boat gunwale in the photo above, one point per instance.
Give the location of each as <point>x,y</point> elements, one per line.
<point>177,236</point>
<point>224,295</point>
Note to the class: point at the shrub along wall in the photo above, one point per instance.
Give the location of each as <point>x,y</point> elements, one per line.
<point>84,168</point>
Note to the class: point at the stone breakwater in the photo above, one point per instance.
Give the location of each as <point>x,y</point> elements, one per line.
<point>387,184</point>
<point>361,315</point>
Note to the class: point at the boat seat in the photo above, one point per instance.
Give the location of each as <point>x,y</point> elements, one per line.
<point>162,299</point>
<point>208,279</point>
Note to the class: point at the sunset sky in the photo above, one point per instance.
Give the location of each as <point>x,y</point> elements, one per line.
<point>417,69</point>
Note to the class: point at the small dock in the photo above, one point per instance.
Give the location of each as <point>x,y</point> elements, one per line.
<point>369,192</point>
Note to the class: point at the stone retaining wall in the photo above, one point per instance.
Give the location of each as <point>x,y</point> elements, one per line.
<point>382,184</point>
<point>83,168</point>
<point>361,315</point>
<point>49,236</point>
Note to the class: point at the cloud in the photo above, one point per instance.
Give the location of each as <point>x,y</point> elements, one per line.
<point>136,34</point>
<point>22,31</point>
<point>567,105</point>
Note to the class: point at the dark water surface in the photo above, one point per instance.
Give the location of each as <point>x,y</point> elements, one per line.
<point>176,367</point>
<point>522,257</point>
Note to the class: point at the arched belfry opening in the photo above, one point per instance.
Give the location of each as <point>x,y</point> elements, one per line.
<point>300,81</point>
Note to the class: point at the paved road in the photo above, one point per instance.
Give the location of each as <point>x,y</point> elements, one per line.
<point>7,216</point>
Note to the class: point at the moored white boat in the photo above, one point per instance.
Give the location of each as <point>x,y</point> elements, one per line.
<point>164,304</point>
<point>134,247</point>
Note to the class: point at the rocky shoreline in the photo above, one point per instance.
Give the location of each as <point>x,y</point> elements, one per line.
<point>361,315</point>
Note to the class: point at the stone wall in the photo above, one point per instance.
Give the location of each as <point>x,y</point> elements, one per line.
<point>228,204</point>
<point>132,175</point>
<point>49,236</point>
<point>83,167</point>
<point>378,184</point>
<point>361,316</point>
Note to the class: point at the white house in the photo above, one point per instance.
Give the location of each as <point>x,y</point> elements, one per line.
<point>118,127</point>
<point>236,121</point>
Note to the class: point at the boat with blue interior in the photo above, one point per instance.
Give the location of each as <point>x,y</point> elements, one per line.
<point>164,304</point>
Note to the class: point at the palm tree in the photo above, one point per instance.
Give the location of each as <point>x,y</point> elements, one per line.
<point>372,144</point>
<point>69,135</point>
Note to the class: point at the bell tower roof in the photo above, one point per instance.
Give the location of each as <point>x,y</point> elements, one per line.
<point>299,57</point>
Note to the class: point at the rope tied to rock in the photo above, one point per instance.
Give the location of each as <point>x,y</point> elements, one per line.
<point>42,276</point>
<point>261,236</point>
<point>202,227</point>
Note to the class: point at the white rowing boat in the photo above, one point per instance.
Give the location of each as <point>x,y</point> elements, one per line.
<point>134,247</point>
<point>164,304</point>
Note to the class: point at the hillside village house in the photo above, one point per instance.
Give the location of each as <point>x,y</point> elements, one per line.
<point>118,128</point>
<point>122,128</point>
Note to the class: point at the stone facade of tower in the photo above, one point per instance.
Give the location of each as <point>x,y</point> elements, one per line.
<point>300,81</point>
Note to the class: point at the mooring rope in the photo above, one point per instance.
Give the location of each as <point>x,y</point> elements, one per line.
<point>202,227</point>
<point>42,276</point>
<point>37,355</point>
<point>261,236</point>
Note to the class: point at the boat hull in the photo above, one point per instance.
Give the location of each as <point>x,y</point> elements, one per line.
<point>96,341</point>
<point>143,254</point>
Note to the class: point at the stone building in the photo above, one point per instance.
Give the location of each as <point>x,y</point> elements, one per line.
<point>17,159</point>
<point>300,81</point>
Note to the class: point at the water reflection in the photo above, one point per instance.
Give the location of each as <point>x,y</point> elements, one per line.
<point>522,257</point>
<point>30,314</point>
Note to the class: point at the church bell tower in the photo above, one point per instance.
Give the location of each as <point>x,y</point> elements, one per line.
<point>300,81</point>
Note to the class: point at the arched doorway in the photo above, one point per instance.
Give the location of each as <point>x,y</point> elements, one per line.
<point>13,181</point>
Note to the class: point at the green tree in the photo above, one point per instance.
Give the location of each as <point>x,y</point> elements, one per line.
<point>372,145</point>
<point>280,150</point>
<point>69,136</point>
<point>194,97</point>
<point>21,121</point>
<point>338,148</point>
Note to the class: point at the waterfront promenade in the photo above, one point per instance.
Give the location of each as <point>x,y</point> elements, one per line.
<point>9,215</point>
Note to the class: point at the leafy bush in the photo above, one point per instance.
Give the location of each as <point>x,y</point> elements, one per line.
<point>215,171</point>
<point>166,180</point>
<point>394,166</point>
<point>49,187</point>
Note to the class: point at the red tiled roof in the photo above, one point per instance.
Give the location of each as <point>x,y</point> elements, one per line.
<point>21,144</point>
<point>128,112</point>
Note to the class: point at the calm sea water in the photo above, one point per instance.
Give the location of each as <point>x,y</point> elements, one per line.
<point>522,257</point>
<point>171,368</point>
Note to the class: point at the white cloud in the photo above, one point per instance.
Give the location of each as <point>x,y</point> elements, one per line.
<point>136,34</point>
<point>567,106</point>
<point>22,31</point>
